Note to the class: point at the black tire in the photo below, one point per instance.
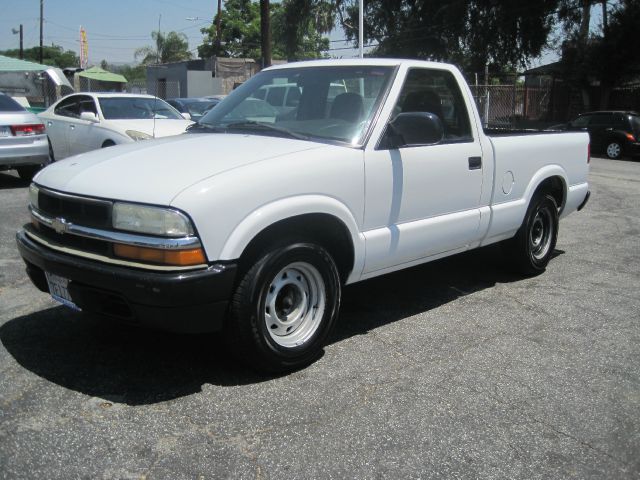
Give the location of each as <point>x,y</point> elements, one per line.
<point>28,171</point>
<point>613,149</point>
<point>108,143</point>
<point>297,281</point>
<point>532,247</point>
<point>52,158</point>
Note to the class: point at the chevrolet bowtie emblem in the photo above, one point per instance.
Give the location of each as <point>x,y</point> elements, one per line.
<point>60,225</point>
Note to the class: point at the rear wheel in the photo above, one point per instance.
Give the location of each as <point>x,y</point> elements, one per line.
<point>614,150</point>
<point>108,143</point>
<point>284,308</point>
<point>532,247</point>
<point>28,171</point>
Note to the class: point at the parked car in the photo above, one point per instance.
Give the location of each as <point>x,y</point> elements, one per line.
<point>86,121</point>
<point>195,107</point>
<point>253,224</point>
<point>23,141</point>
<point>615,133</point>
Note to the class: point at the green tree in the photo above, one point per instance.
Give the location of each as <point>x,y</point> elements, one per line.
<point>135,73</point>
<point>469,33</point>
<point>296,33</point>
<point>172,47</point>
<point>602,57</point>
<point>53,55</point>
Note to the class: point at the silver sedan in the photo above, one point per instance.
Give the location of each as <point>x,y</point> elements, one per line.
<point>23,141</point>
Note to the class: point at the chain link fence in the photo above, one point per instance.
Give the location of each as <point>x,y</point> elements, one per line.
<point>160,88</point>
<point>514,103</point>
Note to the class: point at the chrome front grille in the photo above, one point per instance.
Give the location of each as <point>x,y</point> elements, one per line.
<point>85,211</point>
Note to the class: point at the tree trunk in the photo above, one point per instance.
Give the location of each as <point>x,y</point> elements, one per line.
<point>265,31</point>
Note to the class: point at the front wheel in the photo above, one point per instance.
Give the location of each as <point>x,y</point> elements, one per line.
<point>532,247</point>
<point>614,150</point>
<point>284,308</point>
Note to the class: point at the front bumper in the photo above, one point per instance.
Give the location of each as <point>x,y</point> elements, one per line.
<point>185,301</point>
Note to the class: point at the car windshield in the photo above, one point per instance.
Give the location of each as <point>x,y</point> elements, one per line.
<point>316,103</point>
<point>199,108</point>
<point>135,108</point>
<point>8,104</point>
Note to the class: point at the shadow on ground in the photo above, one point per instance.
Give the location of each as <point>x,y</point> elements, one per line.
<point>8,181</point>
<point>135,366</point>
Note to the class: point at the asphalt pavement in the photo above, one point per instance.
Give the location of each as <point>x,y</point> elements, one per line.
<point>455,369</point>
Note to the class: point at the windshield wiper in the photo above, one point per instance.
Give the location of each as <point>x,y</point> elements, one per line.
<point>253,125</point>
<point>203,127</point>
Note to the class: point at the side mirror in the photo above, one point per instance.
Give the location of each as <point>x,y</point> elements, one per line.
<point>414,129</point>
<point>186,115</point>
<point>89,117</point>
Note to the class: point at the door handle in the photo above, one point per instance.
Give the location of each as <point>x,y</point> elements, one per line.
<point>72,127</point>
<point>49,124</point>
<point>475,163</point>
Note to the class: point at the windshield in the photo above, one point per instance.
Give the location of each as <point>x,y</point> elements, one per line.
<point>199,108</point>
<point>8,104</point>
<point>317,103</point>
<point>135,108</point>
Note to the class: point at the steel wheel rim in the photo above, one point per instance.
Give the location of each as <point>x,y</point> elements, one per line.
<point>294,304</point>
<point>613,150</point>
<point>541,233</point>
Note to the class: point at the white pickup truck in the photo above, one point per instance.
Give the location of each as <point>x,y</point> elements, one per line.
<point>252,221</point>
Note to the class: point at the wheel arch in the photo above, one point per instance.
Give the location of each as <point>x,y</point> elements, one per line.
<point>319,218</point>
<point>553,180</point>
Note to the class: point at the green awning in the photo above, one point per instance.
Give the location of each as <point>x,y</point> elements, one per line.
<point>10,64</point>
<point>97,73</point>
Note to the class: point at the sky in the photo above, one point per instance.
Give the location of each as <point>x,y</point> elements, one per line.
<point>116,28</point>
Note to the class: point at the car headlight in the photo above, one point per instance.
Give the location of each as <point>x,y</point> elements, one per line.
<point>33,195</point>
<point>136,136</point>
<point>151,220</point>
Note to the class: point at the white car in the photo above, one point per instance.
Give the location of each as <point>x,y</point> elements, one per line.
<point>86,121</point>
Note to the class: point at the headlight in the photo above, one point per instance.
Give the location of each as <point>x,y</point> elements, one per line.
<point>33,195</point>
<point>151,220</point>
<point>137,136</point>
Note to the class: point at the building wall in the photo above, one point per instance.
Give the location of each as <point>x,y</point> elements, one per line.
<point>200,84</point>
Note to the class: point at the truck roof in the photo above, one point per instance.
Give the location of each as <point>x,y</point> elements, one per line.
<point>393,62</point>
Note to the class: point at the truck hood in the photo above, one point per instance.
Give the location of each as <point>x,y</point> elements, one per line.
<point>159,128</point>
<point>155,171</point>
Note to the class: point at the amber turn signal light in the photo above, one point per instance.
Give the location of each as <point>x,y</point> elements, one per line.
<point>183,258</point>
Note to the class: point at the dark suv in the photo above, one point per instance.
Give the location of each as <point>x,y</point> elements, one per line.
<point>615,133</point>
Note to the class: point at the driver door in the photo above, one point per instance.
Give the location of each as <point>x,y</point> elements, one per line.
<point>423,200</point>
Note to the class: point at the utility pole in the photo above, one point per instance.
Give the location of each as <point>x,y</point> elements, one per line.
<point>21,45</point>
<point>158,45</point>
<point>605,25</point>
<point>41,30</point>
<point>361,27</point>
<point>265,33</point>
<point>218,39</point>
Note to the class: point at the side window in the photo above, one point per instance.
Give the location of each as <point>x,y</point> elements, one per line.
<point>437,92</point>
<point>68,107</point>
<point>293,96</point>
<point>275,96</point>
<point>601,120</point>
<point>581,121</point>
<point>86,104</point>
<point>260,93</point>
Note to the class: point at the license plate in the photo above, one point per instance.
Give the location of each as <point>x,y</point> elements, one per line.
<point>5,132</point>
<point>58,288</point>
